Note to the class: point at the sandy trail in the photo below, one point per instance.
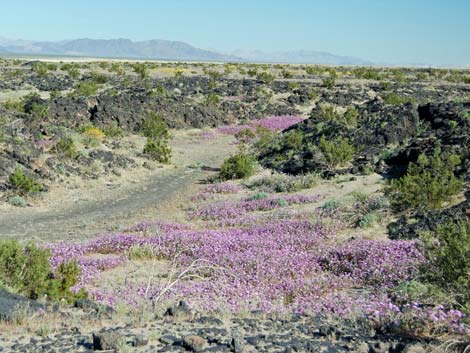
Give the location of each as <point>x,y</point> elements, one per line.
<point>87,211</point>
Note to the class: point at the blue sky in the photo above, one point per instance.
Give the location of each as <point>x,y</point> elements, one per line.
<point>389,31</point>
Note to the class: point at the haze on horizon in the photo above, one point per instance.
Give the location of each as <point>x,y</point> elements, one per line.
<point>391,32</point>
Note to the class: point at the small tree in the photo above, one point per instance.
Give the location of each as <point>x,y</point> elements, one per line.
<point>427,184</point>
<point>337,152</point>
<point>27,270</point>
<point>237,166</point>
<point>448,250</point>
<point>158,134</point>
<point>141,70</point>
<point>24,184</point>
<point>40,68</point>
<point>330,81</point>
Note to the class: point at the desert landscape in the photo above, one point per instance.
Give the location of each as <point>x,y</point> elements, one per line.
<point>235,177</point>
<point>211,207</point>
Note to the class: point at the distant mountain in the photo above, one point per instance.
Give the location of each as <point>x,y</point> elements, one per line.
<point>116,48</point>
<point>166,50</point>
<point>299,57</point>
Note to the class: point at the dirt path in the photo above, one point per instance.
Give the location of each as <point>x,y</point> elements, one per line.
<point>97,210</point>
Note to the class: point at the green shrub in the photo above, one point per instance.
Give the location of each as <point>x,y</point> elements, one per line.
<point>17,201</point>
<point>212,99</point>
<point>54,94</point>
<point>40,68</point>
<point>113,130</point>
<point>312,94</point>
<point>330,81</point>
<point>447,250</point>
<point>328,112</point>
<point>260,195</point>
<point>142,252</point>
<point>27,271</point>
<point>265,77</point>
<point>159,91</point>
<point>337,152</point>
<point>330,205</point>
<point>284,183</point>
<point>252,72</point>
<point>24,184</point>
<point>426,185</point>
<point>39,110</point>
<point>421,76</point>
<point>72,69</point>
<point>66,147</point>
<point>16,105</point>
<point>141,70</point>
<point>155,128</point>
<point>245,137</point>
<point>367,220</point>
<point>293,140</point>
<point>313,70</point>
<point>85,89</point>
<point>158,151</point>
<point>237,166</point>
<point>74,72</point>
<point>422,292</point>
<point>397,99</point>
<point>350,117</point>
<point>158,134</point>
<point>287,74</point>
<point>366,73</point>
<point>117,69</point>
<point>266,141</point>
<point>98,78</point>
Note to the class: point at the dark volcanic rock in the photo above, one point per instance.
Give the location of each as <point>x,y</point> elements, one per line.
<point>103,341</point>
<point>14,307</point>
<point>405,228</point>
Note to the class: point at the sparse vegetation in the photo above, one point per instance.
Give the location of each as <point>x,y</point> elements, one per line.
<point>141,69</point>
<point>427,184</point>
<point>447,250</point>
<point>24,184</point>
<point>157,133</point>
<point>66,147</point>
<point>312,214</point>
<point>93,136</point>
<point>26,270</point>
<point>85,89</point>
<point>237,166</point>
<point>337,152</point>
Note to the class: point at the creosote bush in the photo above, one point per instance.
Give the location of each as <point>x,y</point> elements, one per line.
<point>113,130</point>
<point>24,184</point>
<point>427,184</point>
<point>158,134</point>
<point>237,166</point>
<point>160,152</point>
<point>85,89</point>
<point>141,69</point>
<point>66,147</point>
<point>337,152</point>
<point>447,250</point>
<point>27,271</point>
<point>396,99</point>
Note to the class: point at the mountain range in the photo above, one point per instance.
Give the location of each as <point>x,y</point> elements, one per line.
<point>165,50</point>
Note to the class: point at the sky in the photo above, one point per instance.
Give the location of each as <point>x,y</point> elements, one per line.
<point>384,31</point>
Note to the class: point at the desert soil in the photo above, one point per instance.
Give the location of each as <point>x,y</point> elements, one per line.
<point>85,208</point>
